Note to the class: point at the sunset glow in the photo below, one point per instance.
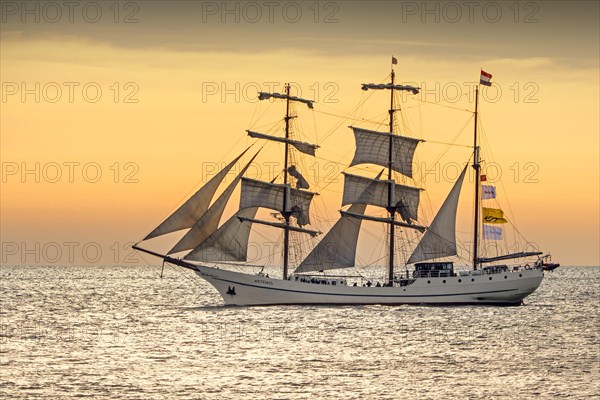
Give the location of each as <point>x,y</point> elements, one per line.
<point>106,127</point>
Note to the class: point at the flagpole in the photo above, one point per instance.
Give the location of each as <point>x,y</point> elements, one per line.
<point>476,166</point>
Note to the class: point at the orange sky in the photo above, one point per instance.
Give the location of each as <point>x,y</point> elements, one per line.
<point>177,93</point>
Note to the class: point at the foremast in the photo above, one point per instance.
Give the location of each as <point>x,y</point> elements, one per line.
<point>289,206</point>
<point>210,243</point>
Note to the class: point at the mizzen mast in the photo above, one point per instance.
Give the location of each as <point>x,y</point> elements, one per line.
<point>477,167</point>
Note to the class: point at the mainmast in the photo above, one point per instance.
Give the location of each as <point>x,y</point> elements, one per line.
<point>391,207</point>
<point>400,198</point>
<point>477,167</point>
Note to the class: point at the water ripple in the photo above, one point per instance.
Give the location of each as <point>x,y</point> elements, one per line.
<point>122,332</point>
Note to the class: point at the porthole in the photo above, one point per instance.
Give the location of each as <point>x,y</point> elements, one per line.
<point>490,278</point>
<point>444,281</point>
<point>460,280</point>
<point>472,279</point>
<point>505,277</point>
<point>428,281</point>
<point>520,275</point>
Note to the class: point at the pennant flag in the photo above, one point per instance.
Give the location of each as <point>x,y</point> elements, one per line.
<point>483,178</point>
<point>493,216</point>
<point>394,61</point>
<point>488,192</point>
<point>492,232</point>
<point>485,78</point>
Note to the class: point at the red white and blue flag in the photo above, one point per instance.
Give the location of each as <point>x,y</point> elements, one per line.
<point>485,78</point>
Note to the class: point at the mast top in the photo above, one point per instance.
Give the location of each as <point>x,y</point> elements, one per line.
<point>266,96</point>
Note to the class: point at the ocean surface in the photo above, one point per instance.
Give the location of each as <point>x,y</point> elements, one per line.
<point>123,332</point>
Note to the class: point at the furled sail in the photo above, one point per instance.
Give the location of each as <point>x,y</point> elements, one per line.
<point>373,147</point>
<point>440,238</point>
<point>266,96</point>
<point>270,195</point>
<point>303,147</point>
<point>190,211</point>
<point>229,242</point>
<point>408,88</point>
<point>510,256</point>
<point>358,189</point>
<point>301,182</point>
<point>209,221</point>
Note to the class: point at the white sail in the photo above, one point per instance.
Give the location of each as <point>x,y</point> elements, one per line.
<point>209,221</point>
<point>270,195</point>
<point>373,147</point>
<point>358,189</point>
<point>229,242</point>
<point>338,248</point>
<point>190,211</point>
<point>440,238</point>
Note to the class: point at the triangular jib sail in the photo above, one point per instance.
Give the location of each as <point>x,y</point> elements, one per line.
<point>229,242</point>
<point>209,222</point>
<point>191,211</point>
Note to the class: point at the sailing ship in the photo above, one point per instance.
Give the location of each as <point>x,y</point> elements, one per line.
<point>212,247</point>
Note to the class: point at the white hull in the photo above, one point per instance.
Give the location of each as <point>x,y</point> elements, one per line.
<point>501,288</point>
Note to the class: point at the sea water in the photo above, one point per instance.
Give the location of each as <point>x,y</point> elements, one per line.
<point>123,332</point>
